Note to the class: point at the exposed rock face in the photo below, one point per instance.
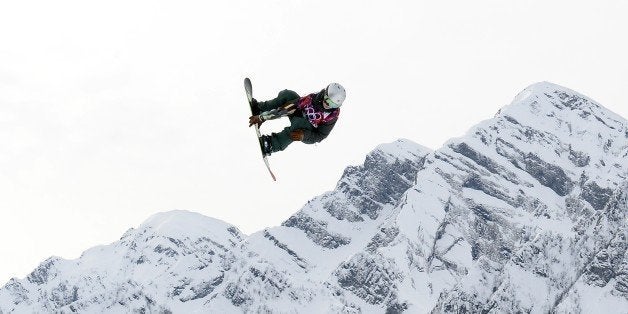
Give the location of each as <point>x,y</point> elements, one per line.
<point>529,213</point>
<point>525,213</point>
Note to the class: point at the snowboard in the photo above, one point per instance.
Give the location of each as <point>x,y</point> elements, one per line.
<point>248,88</point>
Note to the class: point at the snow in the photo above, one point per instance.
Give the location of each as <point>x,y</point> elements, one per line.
<point>403,148</point>
<point>194,225</point>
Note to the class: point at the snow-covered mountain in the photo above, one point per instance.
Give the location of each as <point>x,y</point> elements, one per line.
<point>525,213</point>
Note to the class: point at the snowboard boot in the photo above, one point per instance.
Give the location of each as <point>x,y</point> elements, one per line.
<point>266,145</point>
<point>255,107</point>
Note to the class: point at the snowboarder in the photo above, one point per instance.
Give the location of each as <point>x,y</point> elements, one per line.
<point>312,117</point>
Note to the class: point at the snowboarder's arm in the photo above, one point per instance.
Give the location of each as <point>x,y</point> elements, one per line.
<point>279,112</point>
<point>278,107</point>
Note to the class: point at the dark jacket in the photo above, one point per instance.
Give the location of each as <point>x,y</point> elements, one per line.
<point>298,121</point>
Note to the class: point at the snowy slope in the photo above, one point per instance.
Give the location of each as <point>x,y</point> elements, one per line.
<point>525,213</point>
<point>287,266</point>
<point>176,255</point>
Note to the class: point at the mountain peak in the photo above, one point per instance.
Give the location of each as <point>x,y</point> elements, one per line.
<point>550,107</point>
<point>176,223</point>
<point>403,149</point>
<point>552,125</point>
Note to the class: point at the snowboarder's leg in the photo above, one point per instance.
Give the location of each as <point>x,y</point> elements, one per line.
<point>280,140</point>
<point>281,99</point>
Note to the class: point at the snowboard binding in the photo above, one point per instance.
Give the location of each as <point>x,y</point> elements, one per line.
<point>265,144</point>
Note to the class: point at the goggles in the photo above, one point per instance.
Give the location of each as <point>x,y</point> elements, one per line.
<point>330,103</point>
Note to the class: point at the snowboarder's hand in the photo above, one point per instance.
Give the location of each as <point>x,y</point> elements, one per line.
<point>255,120</point>
<point>297,135</point>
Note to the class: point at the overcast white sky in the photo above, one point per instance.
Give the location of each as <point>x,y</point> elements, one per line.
<point>111,111</point>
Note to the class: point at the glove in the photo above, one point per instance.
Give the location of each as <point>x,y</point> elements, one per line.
<point>297,135</point>
<point>255,120</point>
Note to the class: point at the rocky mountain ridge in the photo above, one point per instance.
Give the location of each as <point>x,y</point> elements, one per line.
<point>525,213</point>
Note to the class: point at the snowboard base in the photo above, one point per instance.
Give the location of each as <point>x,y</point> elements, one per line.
<point>248,88</point>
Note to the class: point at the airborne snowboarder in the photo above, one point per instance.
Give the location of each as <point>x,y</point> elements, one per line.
<point>312,117</point>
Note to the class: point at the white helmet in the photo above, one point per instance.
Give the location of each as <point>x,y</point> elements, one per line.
<point>334,95</point>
